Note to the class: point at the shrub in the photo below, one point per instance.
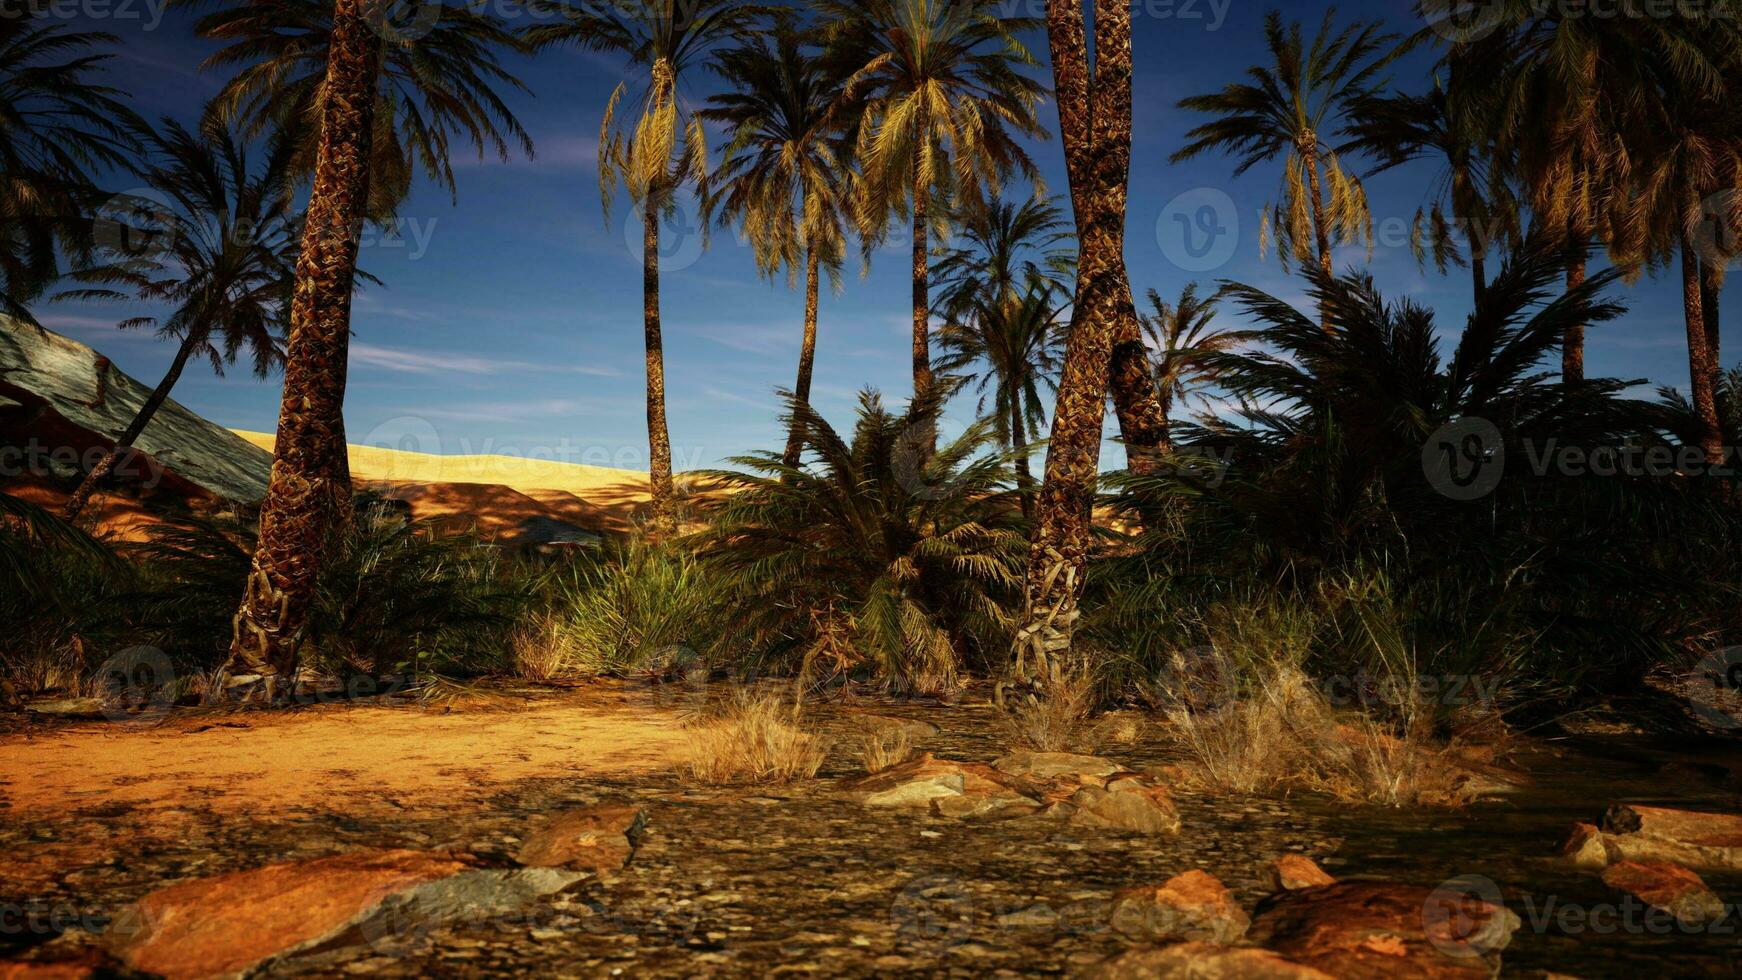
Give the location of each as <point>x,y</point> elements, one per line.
<point>642,608</point>
<point>754,737</point>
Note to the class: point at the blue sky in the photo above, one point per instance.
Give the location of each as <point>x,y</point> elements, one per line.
<point>510,322</point>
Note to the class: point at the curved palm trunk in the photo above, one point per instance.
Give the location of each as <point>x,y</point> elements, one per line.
<point>1095,121</point>
<point>807,355</point>
<point>1702,368</point>
<point>1142,420</point>
<point>1478,273</point>
<point>309,494</point>
<point>664,519</point>
<point>922,375</point>
<point>1309,148</point>
<point>1573,345</point>
<point>82,496</point>
<point>1711,288</point>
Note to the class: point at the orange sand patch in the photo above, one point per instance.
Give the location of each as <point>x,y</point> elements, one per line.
<point>342,758</point>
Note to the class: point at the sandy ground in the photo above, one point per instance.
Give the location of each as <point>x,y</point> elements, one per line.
<point>337,757</point>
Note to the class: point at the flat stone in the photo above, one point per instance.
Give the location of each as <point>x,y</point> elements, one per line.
<point>1293,872</point>
<point>1586,847</point>
<point>239,922</point>
<point>1200,961</point>
<point>1139,810</point>
<point>1692,839</point>
<point>913,728</point>
<point>1190,906</point>
<point>596,839</point>
<point>1366,929</point>
<point>67,707</point>
<point>922,779</point>
<point>1670,887</point>
<point>1049,765</point>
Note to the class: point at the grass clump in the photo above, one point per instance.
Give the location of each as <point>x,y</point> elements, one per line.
<point>754,737</point>
<point>640,609</point>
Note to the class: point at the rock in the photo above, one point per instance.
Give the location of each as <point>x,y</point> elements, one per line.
<point>1585,847</point>
<point>1293,872</point>
<point>67,708</point>
<point>596,839</point>
<point>1134,809</point>
<point>1200,961</point>
<point>1692,839</point>
<point>1366,929</point>
<point>241,921</point>
<point>1191,906</point>
<point>922,779</point>
<point>1048,765</point>
<point>88,963</point>
<point>913,728</point>
<point>1670,887</point>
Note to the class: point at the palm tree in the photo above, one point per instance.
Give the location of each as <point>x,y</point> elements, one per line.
<point>944,100</point>
<point>1094,107</point>
<point>1471,184</point>
<point>1287,109</point>
<point>1009,343</point>
<point>858,556</point>
<point>418,92</point>
<point>786,177</point>
<point>58,127</point>
<point>1001,248</point>
<point>222,254</point>
<point>1183,345</point>
<point>666,148</point>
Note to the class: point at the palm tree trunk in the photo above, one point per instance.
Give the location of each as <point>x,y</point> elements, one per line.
<point>1573,347</point>
<point>82,496</point>
<point>1018,445</point>
<point>1711,288</point>
<point>664,518</point>
<point>1479,273</point>
<point>922,376</point>
<point>309,493</point>
<point>1702,369</point>
<point>1095,122</point>
<point>1309,148</point>
<point>807,355</point>
<point>1142,423</point>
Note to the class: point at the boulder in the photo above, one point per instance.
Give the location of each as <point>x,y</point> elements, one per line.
<point>597,839</point>
<point>1365,929</point>
<point>1050,765</point>
<point>890,725</point>
<point>242,921</point>
<point>66,708</point>
<point>1294,872</point>
<point>1189,906</point>
<point>1692,839</point>
<point>1128,806</point>
<point>923,779</point>
<point>1200,961</point>
<point>1669,887</point>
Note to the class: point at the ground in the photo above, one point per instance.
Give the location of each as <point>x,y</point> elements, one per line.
<point>762,880</point>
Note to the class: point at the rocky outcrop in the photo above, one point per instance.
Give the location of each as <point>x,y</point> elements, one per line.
<point>956,789</point>
<point>1051,765</point>
<point>1669,887</point>
<point>1135,806</point>
<point>239,922</point>
<point>1693,839</point>
<point>70,403</point>
<point>1364,929</point>
<point>1200,961</point>
<point>596,839</point>
<point>1293,872</point>
<point>1191,906</point>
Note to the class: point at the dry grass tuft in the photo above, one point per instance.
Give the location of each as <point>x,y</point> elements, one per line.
<point>1058,722</point>
<point>884,749</point>
<point>540,654</point>
<point>754,738</point>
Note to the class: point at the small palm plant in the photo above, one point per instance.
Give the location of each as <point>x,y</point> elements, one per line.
<point>1183,343</point>
<point>1288,109</point>
<point>908,556</point>
<point>221,252</point>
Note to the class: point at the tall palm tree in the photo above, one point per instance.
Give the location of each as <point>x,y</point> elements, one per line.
<point>59,126</point>
<point>355,93</point>
<point>787,175</point>
<point>666,148</point>
<point>221,253</point>
<point>1009,342</point>
<point>1288,109</point>
<point>1471,184</point>
<point>1094,108</point>
<point>1183,346</point>
<point>945,100</point>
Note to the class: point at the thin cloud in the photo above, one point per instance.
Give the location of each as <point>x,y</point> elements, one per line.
<point>416,362</point>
